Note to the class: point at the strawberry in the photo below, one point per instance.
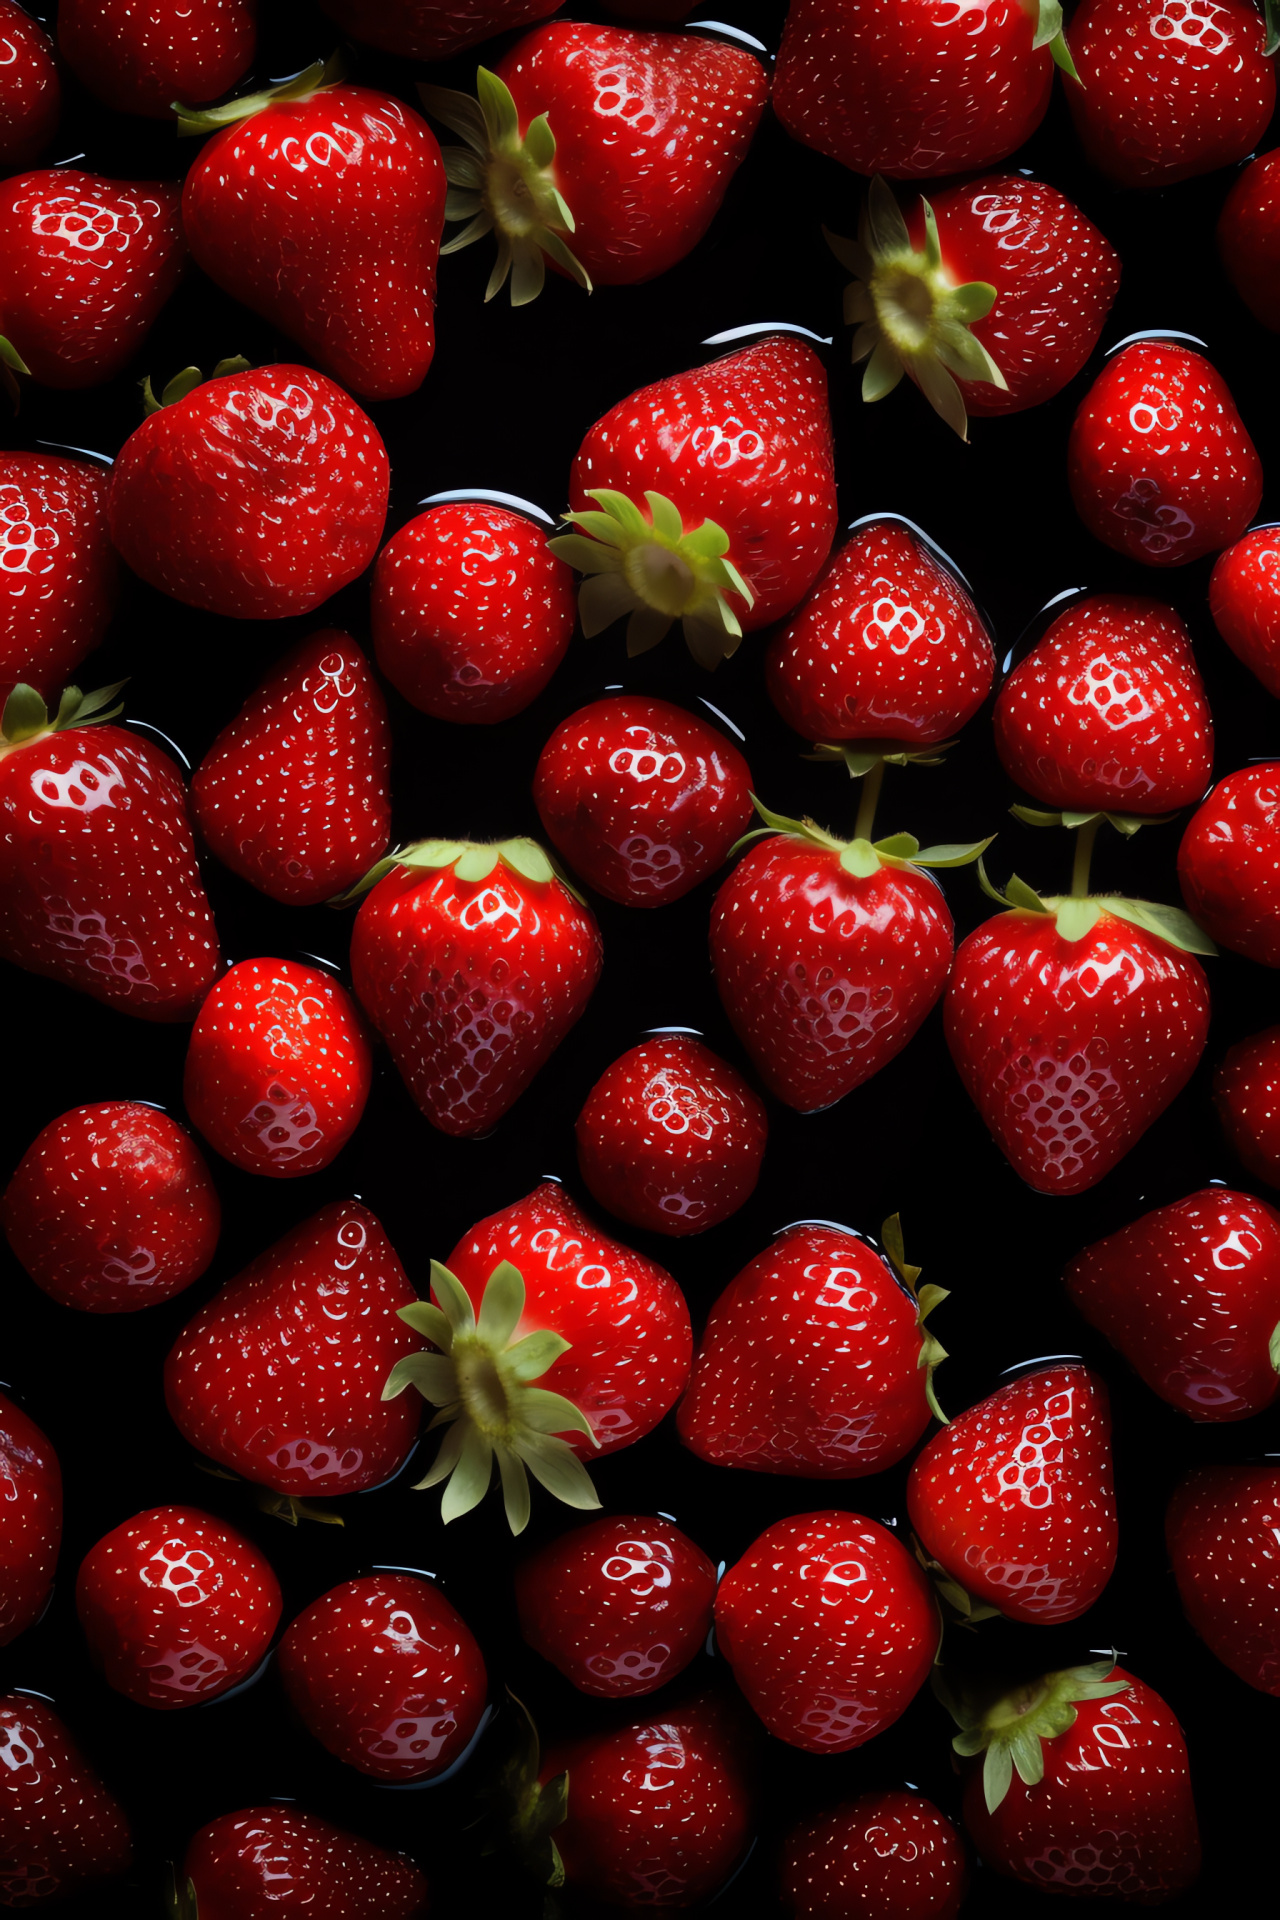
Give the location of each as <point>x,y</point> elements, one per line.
<point>279,1068</point>
<point>294,794</point>
<point>99,886</point>
<point>1244,599</point>
<point>1190,1294</point>
<point>619,1606</point>
<point>884,1856</point>
<point>830,1628</point>
<point>472,962</point>
<point>112,1209</point>
<point>31,1494</point>
<point>1249,238</point>
<point>234,1869</point>
<point>470,614</point>
<point>621,143</point>
<point>137,58</point>
<point>1246,1092</point>
<point>735,462</point>
<point>62,1831</point>
<point>386,1675</point>
<point>30,94</point>
<point>320,206</point>
<point>1229,863</point>
<point>277,1377</point>
<point>58,571</point>
<point>176,1607</point>
<point>816,1360</point>
<point>642,798</point>
<point>671,1138</point>
<point>256,496</point>
<point>1159,462</point>
<point>431,29</point>
<point>1221,1529</point>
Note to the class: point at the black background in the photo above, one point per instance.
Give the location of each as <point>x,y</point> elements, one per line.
<point>505,405</point>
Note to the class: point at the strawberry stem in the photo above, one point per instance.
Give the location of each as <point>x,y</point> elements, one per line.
<point>1085,837</point>
<point>872,782</point>
<point>197,120</point>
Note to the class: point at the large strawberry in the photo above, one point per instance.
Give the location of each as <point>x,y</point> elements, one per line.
<point>1222,1529</point>
<point>31,1501</point>
<point>234,1869</point>
<point>1246,1091</point>
<point>62,1831</point>
<point>30,94</point>
<point>735,463</point>
<point>139,56</point>
<point>431,29</point>
<point>58,571</point>
<point>1229,863</point>
<point>884,1856</point>
<point>1249,238</point>
<point>1244,599</point>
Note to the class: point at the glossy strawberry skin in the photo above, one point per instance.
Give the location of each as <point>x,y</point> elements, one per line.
<point>63,1831</point>
<point>244,1382</point>
<point>278,1069</point>
<point>1159,462</point>
<point>1244,599</point>
<point>1249,238</point>
<point>619,1606</point>
<point>470,612</point>
<point>176,1607</point>
<point>324,216</point>
<point>888,646</point>
<point>1108,711</point>
<point>31,1492</point>
<point>59,576</point>
<point>140,59</point>
<point>1246,1091</point>
<point>1229,863</point>
<point>386,1675</point>
<point>427,30</point>
<point>30,93</point>
<point>643,799</point>
<point>247,1865</point>
<point>111,1208</point>
<point>1070,1049</point>
<point>883,1856</point>
<point>1221,1530</point>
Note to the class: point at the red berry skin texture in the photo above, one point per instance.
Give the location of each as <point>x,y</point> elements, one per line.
<point>671,1138</point>
<point>619,1606</point>
<point>1229,863</point>
<point>59,576</point>
<point>31,1495</point>
<point>427,30</point>
<point>1159,463</point>
<point>471,614</point>
<point>830,1627</point>
<point>1221,1529</point>
<point>265,1861</point>
<point>111,1208</point>
<point>141,57</point>
<point>883,1856</point>
<point>1108,711</point>
<point>62,1831</point>
<point>1246,1092</point>
<point>1190,1295</point>
<point>176,1607</point>
<point>1244,599</point>
<point>1249,238</point>
<point>278,1069</point>
<point>386,1675</point>
<point>643,799</point>
<point>30,93</point>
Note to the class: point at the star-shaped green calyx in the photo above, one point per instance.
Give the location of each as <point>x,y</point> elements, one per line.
<point>180,1897</point>
<point>1010,1727</point>
<point>932,1352</point>
<point>319,75</point>
<point>863,857</point>
<point>480,1380</point>
<point>26,717</point>
<point>472,860</point>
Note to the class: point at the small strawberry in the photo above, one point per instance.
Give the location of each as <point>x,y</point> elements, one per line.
<point>30,94</point>
<point>884,1856</point>
<point>1221,1529</point>
<point>671,1138</point>
<point>386,1675</point>
<point>138,56</point>
<point>735,462</point>
<point>1229,863</point>
<point>641,798</point>
<point>1159,462</point>
<point>111,1208</point>
<point>1246,1092</point>
<point>176,1607</point>
<point>239,1866</point>
<point>431,29</point>
<point>62,1831</point>
<point>31,1496</point>
<point>1244,599</point>
<point>1249,238</point>
<point>59,575</point>
<point>619,1606</point>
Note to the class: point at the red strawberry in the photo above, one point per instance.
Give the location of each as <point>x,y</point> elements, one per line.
<point>62,1831</point>
<point>244,1865</point>
<point>139,58</point>
<point>112,1209</point>
<point>1229,863</point>
<point>176,1607</point>
<point>1169,88</point>
<point>671,1138</point>
<point>1249,238</point>
<point>884,1856</point>
<point>1190,1294</point>
<point>278,1069</point>
<point>256,496</point>
<point>473,962</point>
<point>1159,462</point>
<point>99,886</point>
<point>619,1606</point>
<point>294,795</point>
<point>815,1360</point>
<point>1246,1091</point>
<point>30,96</point>
<point>431,29</point>
<point>320,207</point>
<point>735,462</point>
<point>58,570</point>
<point>386,1675</point>
<point>619,144</point>
<point>830,1628</point>
<point>1108,711</point>
<point>1222,1528</point>
<point>1244,598</point>
<point>278,1376</point>
<point>470,614</point>
<point>642,798</point>
<point>31,1497</point>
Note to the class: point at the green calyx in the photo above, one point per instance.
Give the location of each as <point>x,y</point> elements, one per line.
<point>960,1604</point>
<point>863,857</point>
<point>518,1815</point>
<point>1049,34</point>
<point>860,757</point>
<point>502,182</point>
<point>1010,1728</point>
<point>11,365</point>
<point>1271,15</point>
<point>186,382</point>
<point>1273,1349</point>
<point>321,73</point>
<point>26,717</point>
<point>472,860</point>
<point>932,1352</point>
<point>180,1901</point>
<point>289,1508</point>
<point>480,1383</point>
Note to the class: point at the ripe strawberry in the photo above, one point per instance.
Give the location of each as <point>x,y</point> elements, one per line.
<point>279,1068</point>
<point>1221,1528</point>
<point>294,795</point>
<point>256,496</point>
<point>31,1495</point>
<point>99,886</point>
<point>619,1606</point>
<point>473,962</point>
<point>1229,863</point>
<point>320,206</point>
<point>1108,711</point>
<point>1244,598</point>
<point>671,1138</point>
<point>112,1209</point>
<point>735,461</point>
<point>30,95</point>
<point>642,798</point>
<point>1190,1294</point>
<point>884,1856</point>
<point>386,1675</point>
<point>1249,238</point>
<point>470,614</point>
<point>176,1607</point>
<point>278,1376</point>
<point>431,29</point>
<point>1159,462</point>
<point>1246,1092</point>
<point>63,1831</point>
<point>139,58</point>
<point>234,1870</point>
<point>58,570</point>
<point>816,1360</point>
